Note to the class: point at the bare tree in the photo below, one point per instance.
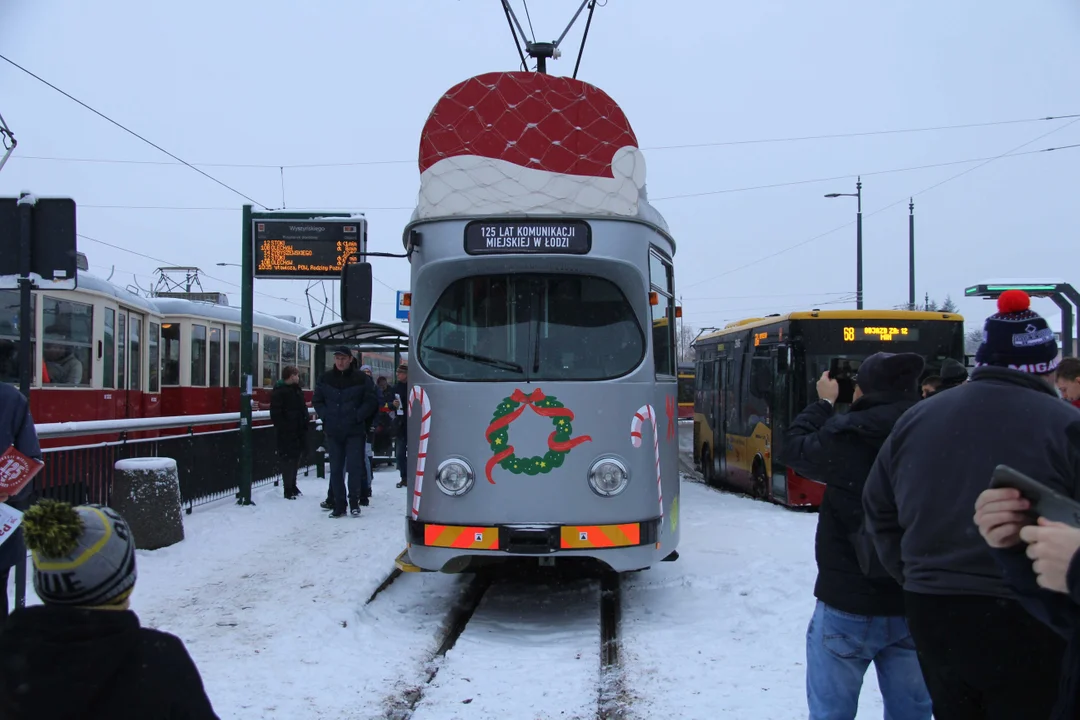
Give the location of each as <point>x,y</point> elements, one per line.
<point>685,349</point>
<point>948,306</point>
<point>972,341</point>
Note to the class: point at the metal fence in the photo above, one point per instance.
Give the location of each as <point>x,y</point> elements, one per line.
<point>208,463</point>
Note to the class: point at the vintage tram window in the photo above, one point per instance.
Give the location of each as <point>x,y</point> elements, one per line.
<point>135,328</point>
<point>531,326</point>
<point>233,358</point>
<point>170,337</point>
<point>288,353</point>
<point>271,361</point>
<point>662,282</point>
<point>121,351</point>
<point>66,341</point>
<point>198,356</point>
<point>108,379</point>
<point>303,361</point>
<point>153,350</point>
<point>9,335</point>
<point>215,357</point>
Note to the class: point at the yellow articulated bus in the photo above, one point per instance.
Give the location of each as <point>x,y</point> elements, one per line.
<point>754,376</point>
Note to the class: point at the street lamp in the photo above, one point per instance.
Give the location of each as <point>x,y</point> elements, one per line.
<point>230,265</point>
<point>858,240</point>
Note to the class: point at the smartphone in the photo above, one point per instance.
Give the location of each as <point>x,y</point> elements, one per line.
<point>841,371</point>
<point>1045,502</point>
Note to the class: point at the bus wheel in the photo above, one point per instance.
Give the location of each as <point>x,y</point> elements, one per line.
<point>759,484</point>
<point>706,465</point>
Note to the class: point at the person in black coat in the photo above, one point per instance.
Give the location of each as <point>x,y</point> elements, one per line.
<point>289,413</point>
<point>345,401</point>
<point>83,653</point>
<point>857,619</point>
<point>16,428</point>
<point>399,404</point>
<point>982,654</point>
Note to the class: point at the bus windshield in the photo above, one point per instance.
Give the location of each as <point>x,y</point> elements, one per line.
<point>531,327</point>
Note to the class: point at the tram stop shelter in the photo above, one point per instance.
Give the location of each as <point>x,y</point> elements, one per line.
<point>1058,291</point>
<point>365,337</point>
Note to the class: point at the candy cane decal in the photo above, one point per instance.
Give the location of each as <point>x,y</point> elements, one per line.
<point>417,393</point>
<point>646,411</point>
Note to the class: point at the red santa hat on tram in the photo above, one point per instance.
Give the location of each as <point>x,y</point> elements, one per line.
<point>526,142</point>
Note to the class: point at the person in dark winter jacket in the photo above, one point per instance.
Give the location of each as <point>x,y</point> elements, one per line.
<point>953,375</point>
<point>345,401</point>
<point>399,402</point>
<point>16,428</point>
<point>289,413</point>
<point>982,654</point>
<point>858,619</point>
<point>83,655</point>
<point>1068,380</point>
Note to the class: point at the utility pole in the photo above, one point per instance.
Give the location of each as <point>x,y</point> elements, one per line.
<point>911,252</point>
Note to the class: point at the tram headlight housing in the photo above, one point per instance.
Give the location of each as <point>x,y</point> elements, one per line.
<point>608,477</point>
<point>455,476</point>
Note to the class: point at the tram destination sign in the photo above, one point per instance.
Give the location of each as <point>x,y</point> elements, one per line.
<point>528,237</point>
<point>297,248</point>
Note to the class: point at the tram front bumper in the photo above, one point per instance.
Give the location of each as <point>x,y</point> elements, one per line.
<point>534,539</point>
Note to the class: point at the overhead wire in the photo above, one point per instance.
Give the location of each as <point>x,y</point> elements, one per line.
<point>130,131</point>
<point>904,199</point>
<point>748,188</point>
<point>361,163</point>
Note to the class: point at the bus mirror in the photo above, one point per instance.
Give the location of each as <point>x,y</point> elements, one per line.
<point>356,292</point>
<point>783,359</point>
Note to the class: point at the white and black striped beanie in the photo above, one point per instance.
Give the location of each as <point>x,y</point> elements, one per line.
<point>83,556</point>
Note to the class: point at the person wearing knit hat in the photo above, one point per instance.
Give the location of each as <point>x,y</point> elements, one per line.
<point>1018,338</point>
<point>966,604</point>
<point>83,652</point>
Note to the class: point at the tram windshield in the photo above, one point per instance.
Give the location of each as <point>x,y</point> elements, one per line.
<point>532,327</point>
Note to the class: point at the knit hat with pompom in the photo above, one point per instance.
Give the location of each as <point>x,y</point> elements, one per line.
<point>83,556</point>
<point>1017,337</point>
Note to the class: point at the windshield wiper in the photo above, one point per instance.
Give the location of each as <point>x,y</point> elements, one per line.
<point>536,352</point>
<point>483,359</point>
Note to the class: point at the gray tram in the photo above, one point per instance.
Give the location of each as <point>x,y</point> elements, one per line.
<point>543,416</point>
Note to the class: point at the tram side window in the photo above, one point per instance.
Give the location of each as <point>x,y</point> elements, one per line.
<point>170,336</point>
<point>135,327</point>
<point>198,356</point>
<point>215,357</point>
<point>66,341</point>
<point>153,349</point>
<point>234,358</point>
<point>108,379</point>
<point>662,281</point>
<point>271,361</point>
<point>303,361</point>
<point>9,335</point>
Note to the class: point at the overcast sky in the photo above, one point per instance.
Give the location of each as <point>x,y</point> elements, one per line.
<point>332,82</point>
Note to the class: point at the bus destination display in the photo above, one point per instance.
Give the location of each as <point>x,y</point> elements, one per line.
<point>527,237</point>
<point>305,248</point>
<point>880,333</point>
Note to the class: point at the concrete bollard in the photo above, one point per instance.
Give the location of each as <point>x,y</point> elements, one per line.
<point>146,491</point>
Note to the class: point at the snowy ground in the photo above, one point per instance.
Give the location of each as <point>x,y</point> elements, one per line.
<point>270,601</point>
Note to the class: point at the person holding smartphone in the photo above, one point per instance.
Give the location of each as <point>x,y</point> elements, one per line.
<point>982,654</point>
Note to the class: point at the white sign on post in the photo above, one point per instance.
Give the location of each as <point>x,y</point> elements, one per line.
<point>10,520</point>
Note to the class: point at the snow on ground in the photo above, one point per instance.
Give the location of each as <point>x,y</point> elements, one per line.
<point>530,651</point>
<point>270,602</point>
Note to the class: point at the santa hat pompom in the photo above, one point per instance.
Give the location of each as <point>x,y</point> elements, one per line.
<point>1013,301</point>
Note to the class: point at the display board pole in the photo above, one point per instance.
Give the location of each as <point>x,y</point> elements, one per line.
<point>26,359</point>
<point>247,362</point>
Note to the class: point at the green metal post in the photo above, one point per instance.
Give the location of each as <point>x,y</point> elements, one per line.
<point>247,320</point>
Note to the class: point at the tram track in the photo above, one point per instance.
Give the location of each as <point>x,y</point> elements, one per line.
<point>512,625</point>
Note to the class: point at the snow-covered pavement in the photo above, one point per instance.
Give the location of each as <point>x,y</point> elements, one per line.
<point>270,601</point>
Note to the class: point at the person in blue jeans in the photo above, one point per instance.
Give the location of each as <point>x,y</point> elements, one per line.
<point>345,401</point>
<point>859,615</point>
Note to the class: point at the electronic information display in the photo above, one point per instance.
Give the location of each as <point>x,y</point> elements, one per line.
<point>306,248</point>
<point>880,333</point>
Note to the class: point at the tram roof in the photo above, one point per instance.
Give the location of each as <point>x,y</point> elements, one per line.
<point>369,333</point>
<point>909,315</point>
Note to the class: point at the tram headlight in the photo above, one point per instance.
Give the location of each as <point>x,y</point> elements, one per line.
<point>608,477</point>
<point>454,476</point>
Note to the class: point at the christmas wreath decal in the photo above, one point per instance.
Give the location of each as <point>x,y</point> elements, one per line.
<point>560,442</point>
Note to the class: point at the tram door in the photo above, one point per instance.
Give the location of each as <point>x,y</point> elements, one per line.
<point>129,364</point>
<point>215,356</point>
